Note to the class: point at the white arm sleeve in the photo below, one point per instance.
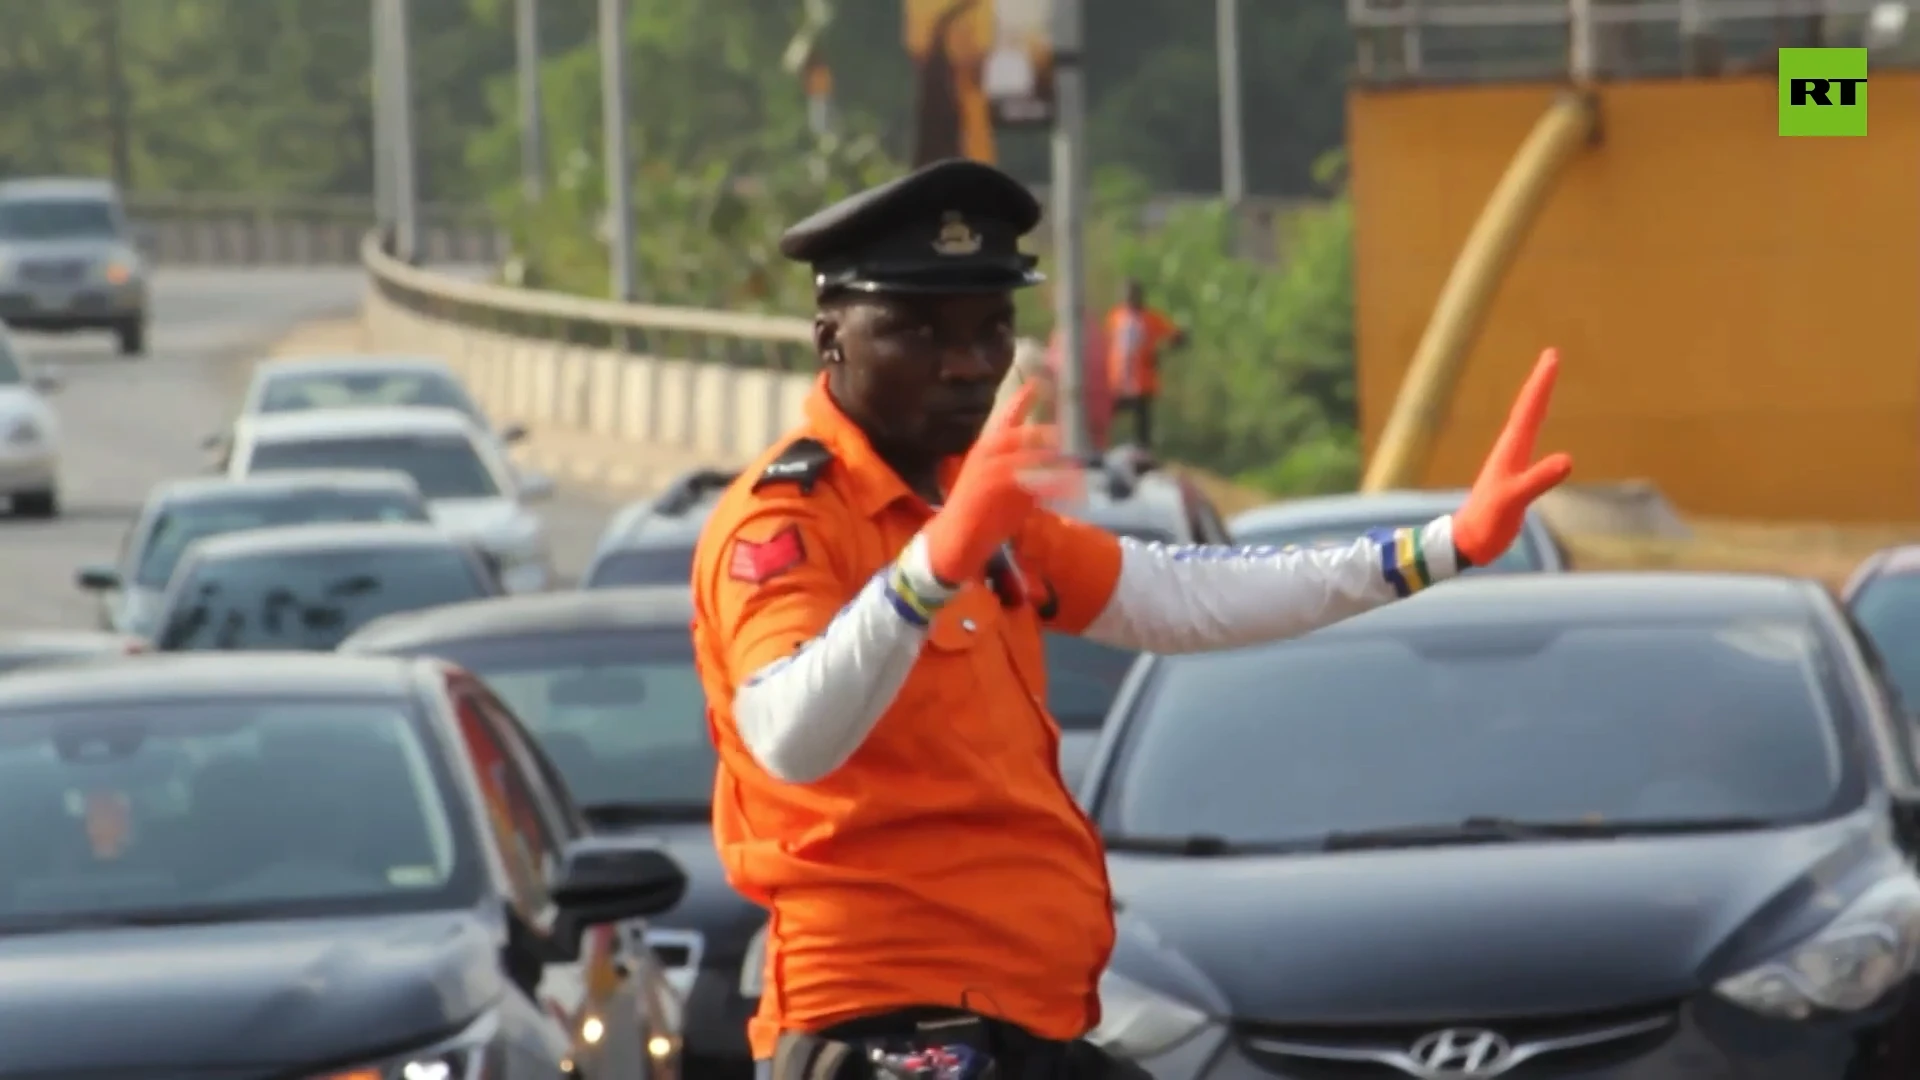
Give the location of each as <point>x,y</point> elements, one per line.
<point>1175,599</point>
<point>804,715</point>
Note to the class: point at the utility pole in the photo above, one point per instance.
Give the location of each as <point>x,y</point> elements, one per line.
<point>400,133</point>
<point>533,149</point>
<point>119,108</point>
<point>613,113</point>
<point>1068,191</point>
<point>1233,166</point>
<point>382,73</point>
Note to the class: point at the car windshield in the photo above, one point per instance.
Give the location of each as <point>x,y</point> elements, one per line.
<point>1888,609</point>
<point>298,392</point>
<point>311,599</point>
<point>58,219</point>
<point>1522,557</point>
<point>443,466</point>
<point>1082,678</point>
<point>640,566</point>
<point>176,527</point>
<point>1621,724</point>
<point>620,713</point>
<point>225,808</point>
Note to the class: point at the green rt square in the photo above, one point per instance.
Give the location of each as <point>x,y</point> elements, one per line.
<point>1823,91</point>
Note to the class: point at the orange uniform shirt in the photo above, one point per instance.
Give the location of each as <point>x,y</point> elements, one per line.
<point>944,863</point>
<point>1133,350</point>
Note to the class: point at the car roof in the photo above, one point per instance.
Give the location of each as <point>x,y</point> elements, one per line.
<point>1645,597</point>
<point>600,609</point>
<point>327,536</point>
<point>351,363</point>
<point>61,642</point>
<point>369,420</point>
<point>269,485</point>
<point>150,677</point>
<point>1349,506</point>
<point>67,187</point>
<point>1904,559</point>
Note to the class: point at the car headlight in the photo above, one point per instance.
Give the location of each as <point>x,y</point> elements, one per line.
<point>24,432</point>
<point>1137,1023</point>
<point>1868,950</point>
<point>466,1056</point>
<point>753,966</point>
<point>121,269</point>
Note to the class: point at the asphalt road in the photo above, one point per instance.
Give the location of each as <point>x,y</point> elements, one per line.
<point>128,423</point>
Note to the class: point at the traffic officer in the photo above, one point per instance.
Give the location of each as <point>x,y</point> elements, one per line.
<point>869,602</point>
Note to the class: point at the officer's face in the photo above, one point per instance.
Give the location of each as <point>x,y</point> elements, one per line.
<point>918,373</point>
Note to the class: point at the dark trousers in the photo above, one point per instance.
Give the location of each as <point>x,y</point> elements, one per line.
<point>1141,410</point>
<point>845,1051</point>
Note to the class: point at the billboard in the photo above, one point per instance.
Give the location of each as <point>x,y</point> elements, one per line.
<point>977,63</point>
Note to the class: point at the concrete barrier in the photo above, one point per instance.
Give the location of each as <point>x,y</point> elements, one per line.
<point>215,230</point>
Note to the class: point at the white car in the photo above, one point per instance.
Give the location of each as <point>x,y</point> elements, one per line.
<point>472,490</point>
<point>29,435</point>
<point>304,383</point>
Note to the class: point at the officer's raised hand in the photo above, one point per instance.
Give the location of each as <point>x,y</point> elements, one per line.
<point>1013,468</point>
<point>1511,479</point>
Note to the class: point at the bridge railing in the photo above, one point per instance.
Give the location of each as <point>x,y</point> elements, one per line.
<point>231,230</point>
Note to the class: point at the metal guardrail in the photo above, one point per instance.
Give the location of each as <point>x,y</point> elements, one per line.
<point>302,231</point>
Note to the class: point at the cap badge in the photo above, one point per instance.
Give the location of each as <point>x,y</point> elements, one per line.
<point>955,237</point>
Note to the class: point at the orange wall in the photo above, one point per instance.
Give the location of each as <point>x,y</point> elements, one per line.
<point>1738,314</point>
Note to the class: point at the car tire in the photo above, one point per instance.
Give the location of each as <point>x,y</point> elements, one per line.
<point>44,503</point>
<point>133,337</point>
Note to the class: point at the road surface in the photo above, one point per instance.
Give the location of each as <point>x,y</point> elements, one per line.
<point>128,423</point>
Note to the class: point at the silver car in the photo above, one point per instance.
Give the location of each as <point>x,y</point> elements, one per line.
<point>68,260</point>
<point>29,435</point>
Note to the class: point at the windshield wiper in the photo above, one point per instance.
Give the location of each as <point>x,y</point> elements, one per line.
<point>615,814</point>
<point>1503,830</point>
<point>1203,845</point>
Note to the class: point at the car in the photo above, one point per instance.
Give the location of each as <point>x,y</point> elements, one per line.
<point>306,587</point>
<point>23,649</point>
<point>605,682</point>
<point>472,490</point>
<point>298,865</point>
<point>30,453</point>
<point>651,541</point>
<point>69,260</point>
<point>1883,596</point>
<point>301,383</point>
<point>1601,825</point>
<point>178,512</point>
<point>1338,519</point>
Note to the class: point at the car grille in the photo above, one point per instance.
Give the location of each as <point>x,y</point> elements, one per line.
<point>50,272</point>
<point>1534,1048</point>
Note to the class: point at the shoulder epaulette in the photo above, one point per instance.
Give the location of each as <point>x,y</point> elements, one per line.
<point>803,462</point>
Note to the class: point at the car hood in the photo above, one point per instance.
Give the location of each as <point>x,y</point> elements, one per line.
<point>1481,930</point>
<point>725,920</point>
<point>492,520</point>
<point>255,994</point>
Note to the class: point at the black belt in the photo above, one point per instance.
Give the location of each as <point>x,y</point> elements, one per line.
<point>844,1051</point>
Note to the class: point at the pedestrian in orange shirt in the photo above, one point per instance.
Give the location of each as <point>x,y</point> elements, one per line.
<point>869,601</point>
<point>1135,335</point>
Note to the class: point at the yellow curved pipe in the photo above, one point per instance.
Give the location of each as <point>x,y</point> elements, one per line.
<point>1426,392</point>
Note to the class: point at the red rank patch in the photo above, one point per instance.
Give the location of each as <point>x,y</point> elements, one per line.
<point>759,562</point>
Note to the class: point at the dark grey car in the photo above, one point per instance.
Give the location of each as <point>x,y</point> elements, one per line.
<point>69,260</point>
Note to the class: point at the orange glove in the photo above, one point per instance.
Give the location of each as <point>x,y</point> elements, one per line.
<point>1012,467</point>
<point>1511,480</point>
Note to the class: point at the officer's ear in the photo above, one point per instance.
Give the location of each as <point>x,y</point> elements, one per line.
<point>827,323</point>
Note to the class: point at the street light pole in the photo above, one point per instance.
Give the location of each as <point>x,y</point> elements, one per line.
<point>382,72</point>
<point>533,151</point>
<point>1233,167</point>
<point>613,112</point>
<point>1069,256</point>
<point>405,192</point>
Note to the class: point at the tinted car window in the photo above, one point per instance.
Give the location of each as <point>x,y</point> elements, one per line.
<point>1523,556</point>
<point>335,390</point>
<point>271,805</point>
<point>1082,678</point>
<point>58,219</point>
<point>176,527</point>
<point>524,844</point>
<point>443,467</point>
<point>310,600</point>
<point>1888,609</point>
<point>620,713</point>
<point>1624,723</point>
<point>640,566</point>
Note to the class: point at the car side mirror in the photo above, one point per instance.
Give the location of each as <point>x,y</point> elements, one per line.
<point>513,433</point>
<point>98,578</point>
<point>536,487</point>
<point>610,878</point>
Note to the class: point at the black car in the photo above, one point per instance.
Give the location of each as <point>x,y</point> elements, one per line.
<point>302,866</point>
<point>309,586</point>
<point>605,681</point>
<point>32,648</point>
<point>180,512</point>
<point>1535,825</point>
